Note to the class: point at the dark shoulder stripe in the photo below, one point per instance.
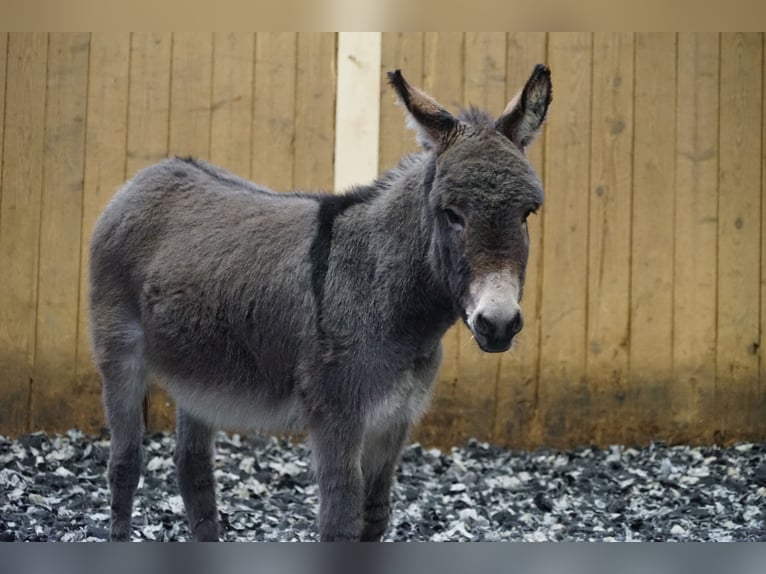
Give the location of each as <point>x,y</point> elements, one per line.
<point>330,207</point>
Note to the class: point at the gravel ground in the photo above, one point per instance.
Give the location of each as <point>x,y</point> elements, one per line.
<point>54,488</point>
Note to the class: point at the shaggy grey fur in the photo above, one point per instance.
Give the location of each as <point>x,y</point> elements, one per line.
<point>305,311</point>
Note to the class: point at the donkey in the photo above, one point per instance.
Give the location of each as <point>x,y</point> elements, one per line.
<point>310,312</point>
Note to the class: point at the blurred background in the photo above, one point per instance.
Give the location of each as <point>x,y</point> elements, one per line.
<point>646,281</point>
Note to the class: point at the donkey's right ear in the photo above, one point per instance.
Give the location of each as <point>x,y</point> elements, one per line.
<point>524,116</point>
<point>434,125</point>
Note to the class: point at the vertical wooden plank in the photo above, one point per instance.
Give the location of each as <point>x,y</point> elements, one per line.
<point>696,238</point>
<point>762,351</point>
<point>443,73</point>
<point>20,223</point>
<point>738,393</point>
<point>477,373</point>
<point>485,69</point>
<point>55,397</point>
<point>651,320</point>
<point>516,400</point>
<point>357,112</point>
<point>232,105</point>
<point>149,99</point>
<point>147,143</point>
<point>105,154</point>
<point>315,111</point>
<point>3,67</point>
<point>274,127</point>
<point>444,68</point>
<point>400,50</point>
<point>190,91</point>
<point>565,407</point>
<point>609,230</point>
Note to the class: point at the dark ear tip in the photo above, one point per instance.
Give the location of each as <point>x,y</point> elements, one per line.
<point>542,70</point>
<point>395,76</point>
<point>542,75</point>
<point>398,83</point>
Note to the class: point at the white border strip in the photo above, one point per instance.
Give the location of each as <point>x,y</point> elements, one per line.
<point>357,109</point>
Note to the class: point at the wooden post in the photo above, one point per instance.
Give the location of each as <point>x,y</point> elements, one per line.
<point>357,109</point>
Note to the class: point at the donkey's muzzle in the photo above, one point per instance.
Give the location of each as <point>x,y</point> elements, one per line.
<point>495,335</point>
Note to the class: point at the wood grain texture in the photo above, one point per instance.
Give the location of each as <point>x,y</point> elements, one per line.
<point>696,238</point>
<point>232,104</point>
<point>20,223</point>
<point>315,111</point>
<point>190,94</point>
<point>761,350</point>
<point>149,99</point>
<point>517,377</point>
<point>274,125</point>
<point>609,230</point>
<point>651,313</point>
<point>565,401</point>
<point>357,110</point>
<point>54,392</point>
<point>3,68</point>
<point>739,231</point>
<point>105,161</point>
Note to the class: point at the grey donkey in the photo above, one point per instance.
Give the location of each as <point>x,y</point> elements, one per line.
<point>317,313</point>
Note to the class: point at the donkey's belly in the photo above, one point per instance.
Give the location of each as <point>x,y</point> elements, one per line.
<point>216,369</point>
<point>224,407</point>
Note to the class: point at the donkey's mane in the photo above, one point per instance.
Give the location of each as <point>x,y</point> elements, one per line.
<point>479,120</point>
<point>386,180</point>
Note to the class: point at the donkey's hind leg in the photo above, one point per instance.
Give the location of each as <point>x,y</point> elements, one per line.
<point>118,349</point>
<point>194,464</point>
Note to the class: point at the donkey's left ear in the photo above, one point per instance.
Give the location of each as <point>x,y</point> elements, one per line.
<point>434,125</point>
<point>524,115</point>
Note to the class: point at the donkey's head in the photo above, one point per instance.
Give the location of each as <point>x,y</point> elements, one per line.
<point>481,190</point>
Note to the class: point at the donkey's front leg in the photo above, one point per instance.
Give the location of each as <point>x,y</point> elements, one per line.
<point>379,460</point>
<point>336,446</point>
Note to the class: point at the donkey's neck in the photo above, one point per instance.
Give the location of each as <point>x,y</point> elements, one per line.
<point>394,229</point>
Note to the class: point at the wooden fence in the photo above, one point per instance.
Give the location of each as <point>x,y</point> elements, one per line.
<point>645,291</point>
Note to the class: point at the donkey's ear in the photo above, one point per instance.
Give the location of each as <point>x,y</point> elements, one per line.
<point>524,115</point>
<point>434,124</point>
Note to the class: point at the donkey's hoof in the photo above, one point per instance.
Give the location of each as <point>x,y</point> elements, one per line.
<point>373,532</point>
<point>120,532</point>
<point>376,517</point>
<point>206,531</point>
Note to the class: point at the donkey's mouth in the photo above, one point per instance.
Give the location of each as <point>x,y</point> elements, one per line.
<point>489,344</point>
<point>492,346</point>
<point>494,337</point>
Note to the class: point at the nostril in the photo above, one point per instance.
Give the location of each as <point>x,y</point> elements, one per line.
<point>482,325</point>
<point>516,324</point>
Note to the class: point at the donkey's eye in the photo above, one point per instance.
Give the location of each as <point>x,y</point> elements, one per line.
<point>455,219</point>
